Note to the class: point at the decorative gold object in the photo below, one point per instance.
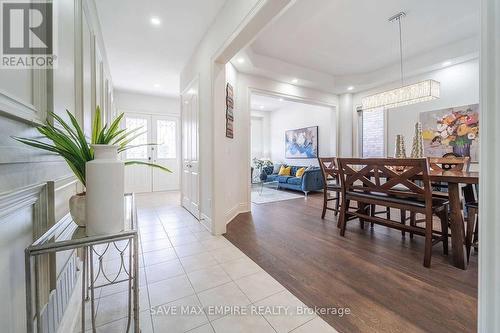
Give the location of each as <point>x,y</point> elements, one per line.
<point>400,150</point>
<point>417,149</point>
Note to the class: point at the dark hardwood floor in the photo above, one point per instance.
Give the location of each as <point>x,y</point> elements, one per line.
<point>376,273</point>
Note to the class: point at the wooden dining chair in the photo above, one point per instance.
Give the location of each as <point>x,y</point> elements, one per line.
<point>472,229</point>
<point>450,163</point>
<point>472,225</point>
<point>447,163</point>
<point>331,184</point>
<point>361,182</point>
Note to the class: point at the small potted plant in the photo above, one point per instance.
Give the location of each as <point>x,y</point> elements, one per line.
<point>69,142</point>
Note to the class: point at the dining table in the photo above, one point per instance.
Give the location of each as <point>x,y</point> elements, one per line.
<point>454,179</point>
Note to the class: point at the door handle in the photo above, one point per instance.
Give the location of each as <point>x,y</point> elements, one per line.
<point>149,158</point>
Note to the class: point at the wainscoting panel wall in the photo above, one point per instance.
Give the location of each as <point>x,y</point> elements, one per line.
<point>59,192</point>
<point>35,186</point>
<point>64,283</point>
<point>23,216</point>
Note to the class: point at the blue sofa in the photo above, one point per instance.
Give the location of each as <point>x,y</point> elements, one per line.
<point>312,179</point>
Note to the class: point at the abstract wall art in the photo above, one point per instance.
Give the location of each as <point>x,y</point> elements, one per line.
<point>452,130</point>
<point>301,143</point>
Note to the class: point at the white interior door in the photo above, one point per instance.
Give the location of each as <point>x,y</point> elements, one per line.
<point>166,153</point>
<point>190,152</point>
<point>138,178</point>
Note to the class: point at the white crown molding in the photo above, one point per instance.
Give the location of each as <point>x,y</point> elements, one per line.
<point>458,52</point>
<point>282,71</point>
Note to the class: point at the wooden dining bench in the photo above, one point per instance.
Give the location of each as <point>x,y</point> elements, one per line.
<point>391,183</point>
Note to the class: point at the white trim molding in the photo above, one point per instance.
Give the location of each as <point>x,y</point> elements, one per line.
<point>206,221</point>
<point>232,213</point>
<point>489,210</point>
<point>35,110</point>
<point>11,202</point>
<point>14,107</point>
<point>78,68</point>
<point>53,188</point>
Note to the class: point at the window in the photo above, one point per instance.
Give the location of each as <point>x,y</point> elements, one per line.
<point>167,142</point>
<point>137,152</point>
<point>372,133</point>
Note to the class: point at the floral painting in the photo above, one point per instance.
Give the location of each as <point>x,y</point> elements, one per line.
<point>302,143</point>
<point>453,130</point>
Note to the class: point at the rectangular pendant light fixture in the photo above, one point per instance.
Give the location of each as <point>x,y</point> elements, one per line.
<point>414,93</point>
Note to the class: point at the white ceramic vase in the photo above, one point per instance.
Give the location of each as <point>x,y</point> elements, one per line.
<point>77,208</point>
<point>105,178</point>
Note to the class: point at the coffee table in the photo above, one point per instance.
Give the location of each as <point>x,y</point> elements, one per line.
<point>271,183</point>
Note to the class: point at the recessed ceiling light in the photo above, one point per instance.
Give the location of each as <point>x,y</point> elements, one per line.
<point>281,99</point>
<point>447,63</point>
<point>240,60</point>
<point>156,85</point>
<point>295,81</point>
<point>350,88</point>
<point>155,20</point>
<point>261,107</point>
<point>186,102</point>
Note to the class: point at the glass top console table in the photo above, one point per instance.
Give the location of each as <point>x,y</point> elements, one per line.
<point>274,183</point>
<point>66,235</point>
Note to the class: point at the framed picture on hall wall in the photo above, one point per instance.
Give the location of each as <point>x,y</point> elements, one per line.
<point>229,111</point>
<point>452,130</point>
<point>301,142</point>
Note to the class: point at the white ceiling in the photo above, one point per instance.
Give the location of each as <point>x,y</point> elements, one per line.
<point>268,103</point>
<point>141,55</point>
<point>338,40</point>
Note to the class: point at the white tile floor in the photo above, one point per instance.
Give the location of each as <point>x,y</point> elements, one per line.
<point>184,267</point>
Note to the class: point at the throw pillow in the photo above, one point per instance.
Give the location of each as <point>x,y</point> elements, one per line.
<point>285,171</point>
<point>300,172</point>
<point>276,168</point>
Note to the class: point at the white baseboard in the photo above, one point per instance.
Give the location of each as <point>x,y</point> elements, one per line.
<point>242,207</point>
<point>206,222</point>
<point>231,213</point>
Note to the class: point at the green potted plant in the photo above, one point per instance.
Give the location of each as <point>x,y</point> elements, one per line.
<point>69,142</point>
